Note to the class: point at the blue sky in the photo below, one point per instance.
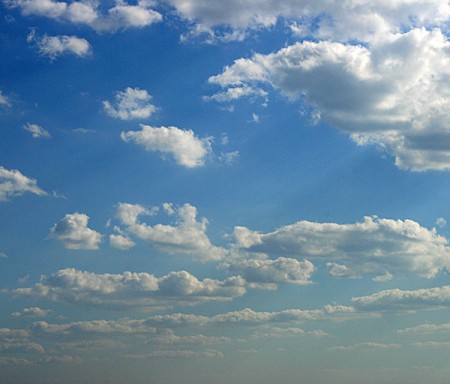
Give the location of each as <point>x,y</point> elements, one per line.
<point>240,191</point>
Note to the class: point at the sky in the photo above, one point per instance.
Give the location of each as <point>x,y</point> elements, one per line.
<point>224,191</point>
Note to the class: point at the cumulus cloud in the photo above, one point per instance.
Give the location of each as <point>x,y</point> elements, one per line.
<point>187,149</point>
<point>391,92</point>
<point>13,183</point>
<point>55,46</point>
<point>322,19</point>
<point>36,131</point>
<point>132,103</point>
<point>121,16</point>
<point>187,236</point>
<point>426,329</point>
<point>72,230</point>
<point>380,247</point>
<point>397,299</point>
<point>120,241</point>
<point>265,272</point>
<point>137,290</point>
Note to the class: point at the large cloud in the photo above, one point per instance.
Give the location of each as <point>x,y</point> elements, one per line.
<point>72,230</point>
<point>187,236</point>
<point>120,16</point>
<point>137,290</point>
<point>14,183</point>
<point>187,149</point>
<point>345,20</point>
<point>376,246</point>
<point>392,92</point>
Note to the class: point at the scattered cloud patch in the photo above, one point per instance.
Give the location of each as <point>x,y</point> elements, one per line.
<point>132,103</point>
<point>13,183</point>
<point>73,232</point>
<point>36,131</point>
<point>187,150</point>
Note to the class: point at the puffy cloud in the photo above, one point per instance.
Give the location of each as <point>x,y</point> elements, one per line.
<point>36,131</point>
<point>186,237</point>
<point>129,289</point>
<point>73,232</point>
<point>391,92</point>
<point>382,247</point>
<point>187,149</point>
<point>397,299</point>
<point>267,272</point>
<point>31,312</point>
<point>55,46</point>
<point>121,241</point>
<point>120,16</point>
<point>132,103</point>
<point>13,183</point>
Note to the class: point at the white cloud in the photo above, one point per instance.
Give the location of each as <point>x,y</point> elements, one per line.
<point>73,232</point>
<point>31,312</point>
<point>380,247</point>
<point>338,20</point>
<point>36,131</point>
<point>137,290</point>
<point>132,103</point>
<point>4,101</point>
<point>13,183</point>
<point>187,149</point>
<point>366,346</point>
<point>186,237</point>
<point>121,242</point>
<point>391,92</point>
<point>176,354</point>
<point>120,16</point>
<point>268,272</point>
<point>426,329</point>
<point>55,46</point>
<point>397,299</point>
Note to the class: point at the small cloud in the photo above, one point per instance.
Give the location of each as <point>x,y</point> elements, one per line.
<point>73,232</point>
<point>36,131</point>
<point>441,222</point>
<point>83,131</point>
<point>3,255</point>
<point>55,46</point>
<point>229,157</point>
<point>132,103</point>
<point>4,101</point>
<point>187,149</point>
<point>24,279</point>
<point>32,312</point>
<point>255,118</point>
